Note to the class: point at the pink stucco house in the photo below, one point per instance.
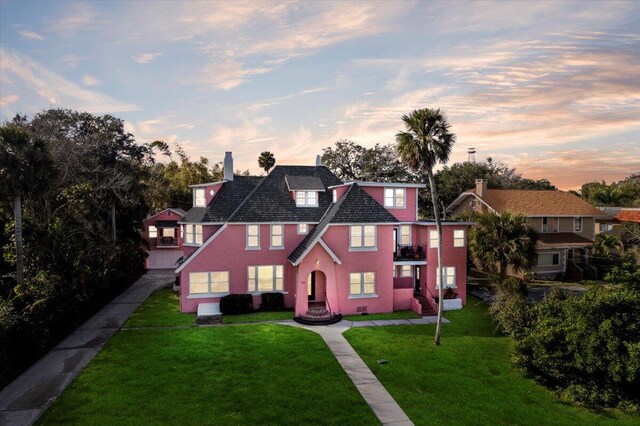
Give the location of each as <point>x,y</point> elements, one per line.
<point>330,247</point>
<point>164,240</point>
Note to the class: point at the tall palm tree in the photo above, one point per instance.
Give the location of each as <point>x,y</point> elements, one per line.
<point>27,168</point>
<point>266,161</point>
<point>503,240</point>
<point>427,141</point>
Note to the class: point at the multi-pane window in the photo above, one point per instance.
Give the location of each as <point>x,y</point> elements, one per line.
<point>362,283</point>
<point>548,259</point>
<point>303,228</point>
<point>307,198</point>
<point>277,236</point>
<point>153,231</point>
<point>405,235</point>
<point>363,236</point>
<point>193,234</point>
<point>253,236</point>
<point>394,197</point>
<point>448,276</point>
<point>406,271</point>
<point>265,278</point>
<point>208,282</point>
<point>199,198</point>
<point>458,238</point>
<point>577,224</point>
<point>433,239</point>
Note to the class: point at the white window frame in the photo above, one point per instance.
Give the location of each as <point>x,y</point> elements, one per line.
<point>402,235</point>
<point>361,282</point>
<point>250,235</point>
<point>391,201</point>
<point>153,231</point>
<point>303,228</point>
<point>458,240</point>
<point>210,283</point>
<point>361,245</point>
<point>552,253</point>
<point>253,283</point>
<point>199,197</point>
<point>542,226</point>
<point>335,195</point>
<point>448,277</point>
<point>578,220</point>
<point>433,241</point>
<point>193,234</point>
<point>275,227</point>
<point>406,271</point>
<point>303,199</point>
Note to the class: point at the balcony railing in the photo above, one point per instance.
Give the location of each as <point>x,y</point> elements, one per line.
<point>166,242</point>
<point>410,252</point>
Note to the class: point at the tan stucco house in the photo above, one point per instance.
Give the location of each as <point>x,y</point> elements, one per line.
<point>564,222</point>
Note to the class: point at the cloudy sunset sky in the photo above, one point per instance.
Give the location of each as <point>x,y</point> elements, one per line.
<point>551,88</point>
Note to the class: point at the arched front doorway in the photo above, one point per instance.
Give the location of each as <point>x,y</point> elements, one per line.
<point>317,286</point>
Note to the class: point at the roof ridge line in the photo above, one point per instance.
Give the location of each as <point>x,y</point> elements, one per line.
<point>246,198</point>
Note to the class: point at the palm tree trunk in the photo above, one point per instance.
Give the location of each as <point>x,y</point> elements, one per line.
<point>113,221</point>
<point>17,212</point>
<point>436,213</point>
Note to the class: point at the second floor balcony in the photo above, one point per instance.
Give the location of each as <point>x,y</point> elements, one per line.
<point>165,242</point>
<point>409,253</point>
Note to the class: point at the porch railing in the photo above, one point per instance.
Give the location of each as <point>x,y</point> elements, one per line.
<point>410,252</point>
<point>166,242</point>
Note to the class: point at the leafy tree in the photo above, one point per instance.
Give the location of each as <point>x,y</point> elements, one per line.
<point>427,141</point>
<point>608,244</point>
<point>625,193</point>
<point>350,161</point>
<point>503,240</point>
<point>26,169</point>
<point>266,161</point>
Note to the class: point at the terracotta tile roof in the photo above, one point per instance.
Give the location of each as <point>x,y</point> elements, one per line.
<point>625,215</point>
<point>546,239</point>
<point>539,203</point>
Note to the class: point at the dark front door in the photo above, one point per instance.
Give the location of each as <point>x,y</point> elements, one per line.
<point>312,286</point>
<point>416,287</point>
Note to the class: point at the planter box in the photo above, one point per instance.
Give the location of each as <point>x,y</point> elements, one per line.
<point>451,304</point>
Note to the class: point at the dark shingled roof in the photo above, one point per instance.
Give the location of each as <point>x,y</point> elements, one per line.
<point>304,183</point>
<point>355,206</point>
<point>272,201</point>
<point>562,238</point>
<point>226,201</point>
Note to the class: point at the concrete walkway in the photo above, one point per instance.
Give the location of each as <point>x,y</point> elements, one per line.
<point>381,402</point>
<point>28,396</point>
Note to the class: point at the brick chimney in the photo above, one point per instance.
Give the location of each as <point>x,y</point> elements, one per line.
<point>228,166</point>
<point>481,187</point>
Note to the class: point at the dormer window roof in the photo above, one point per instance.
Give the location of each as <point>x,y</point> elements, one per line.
<point>304,183</point>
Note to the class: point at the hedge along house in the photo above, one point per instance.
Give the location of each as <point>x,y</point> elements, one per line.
<point>328,246</point>
<point>164,240</point>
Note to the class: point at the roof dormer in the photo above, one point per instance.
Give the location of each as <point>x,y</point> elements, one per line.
<point>305,189</point>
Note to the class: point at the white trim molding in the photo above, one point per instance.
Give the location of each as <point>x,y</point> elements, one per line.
<point>202,247</point>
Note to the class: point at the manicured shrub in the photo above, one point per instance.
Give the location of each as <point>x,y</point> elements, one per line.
<point>234,304</point>
<point>509,309</point>
<point>586,347</point>
<point>272,302</point>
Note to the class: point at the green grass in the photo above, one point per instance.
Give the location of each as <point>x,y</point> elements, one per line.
<point>161,309</point>
<point>468,379</point>
<point>257,316</point>
<point>392,315</point>
<point>259,374</point>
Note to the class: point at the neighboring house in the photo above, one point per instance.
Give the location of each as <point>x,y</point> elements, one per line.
<point>164,239</point>
<point>565,224</point>
<point>338,248</point>
<point>613,217</point>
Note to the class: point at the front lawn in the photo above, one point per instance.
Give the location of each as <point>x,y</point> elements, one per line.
<point>468,379</point>
<point>392,315</point>
<point>257,316</point>
<point>161,309</point>
<point>258,374</point>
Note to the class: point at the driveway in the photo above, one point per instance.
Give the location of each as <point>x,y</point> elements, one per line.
<point>28,396</point>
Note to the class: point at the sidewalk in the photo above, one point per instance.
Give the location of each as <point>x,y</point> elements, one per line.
<point>29,395</point>
<point>380,401</point>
